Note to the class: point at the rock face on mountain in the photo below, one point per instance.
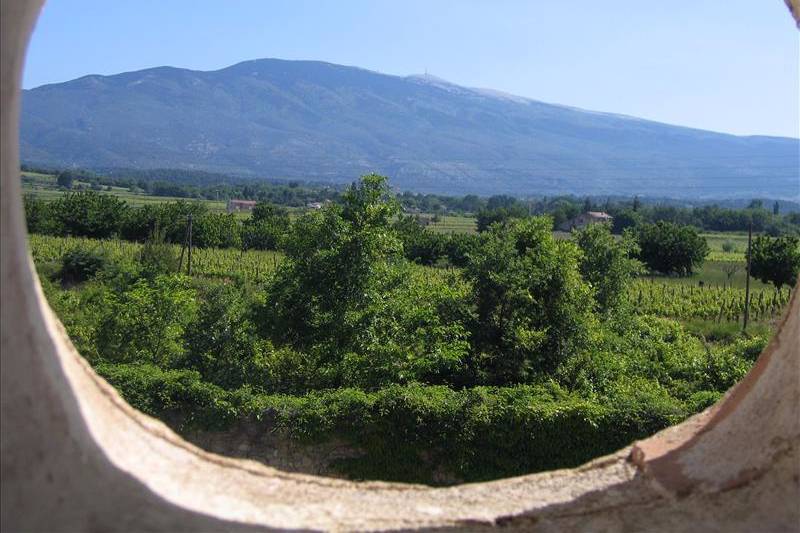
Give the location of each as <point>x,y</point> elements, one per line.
<point>311,120</point>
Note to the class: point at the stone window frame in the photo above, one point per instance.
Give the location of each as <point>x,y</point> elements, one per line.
<point>77,457</point>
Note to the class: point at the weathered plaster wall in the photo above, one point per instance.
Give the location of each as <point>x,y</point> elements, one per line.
<point>76,457</point>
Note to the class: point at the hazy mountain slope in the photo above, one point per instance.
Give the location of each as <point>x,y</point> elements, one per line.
<point>313,120</point>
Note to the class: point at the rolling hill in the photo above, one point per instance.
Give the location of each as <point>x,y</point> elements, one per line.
<point>324,122</point>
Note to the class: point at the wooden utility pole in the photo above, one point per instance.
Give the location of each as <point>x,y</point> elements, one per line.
<point>747,283</point>
<point>183,248</point>
<point>189,262</point>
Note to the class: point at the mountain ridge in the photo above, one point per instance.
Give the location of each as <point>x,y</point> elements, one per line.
<point>321,121</point>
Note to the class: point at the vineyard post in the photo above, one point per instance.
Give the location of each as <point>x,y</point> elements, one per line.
<point>747,282</point>
<point>183,248</point>
<point>189,260</point>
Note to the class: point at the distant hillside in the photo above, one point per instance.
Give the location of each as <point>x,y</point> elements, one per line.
<point>324,122</point>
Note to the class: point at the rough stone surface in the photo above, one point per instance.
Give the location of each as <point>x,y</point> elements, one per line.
<point>255,441</point>
<point>76,457</point>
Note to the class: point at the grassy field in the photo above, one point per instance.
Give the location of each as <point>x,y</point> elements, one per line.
<point>712,274</point>
<point>454,224</point>
<point>44,186</point>
<point>735,241</point>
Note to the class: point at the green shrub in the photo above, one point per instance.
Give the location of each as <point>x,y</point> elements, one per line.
<point>699,401</point>
<point>81,264</point>
<point>157,256</point>
<point>173,394</point>
<point>417,433</point>
<point>146,322</point>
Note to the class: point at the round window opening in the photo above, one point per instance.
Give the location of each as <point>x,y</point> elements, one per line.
<point>361,334</point>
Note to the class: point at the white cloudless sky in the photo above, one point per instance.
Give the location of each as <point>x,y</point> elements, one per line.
<point>730,66</point>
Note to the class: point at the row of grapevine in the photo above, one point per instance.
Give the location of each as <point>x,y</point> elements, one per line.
<point>660,298</point>
<point>706,302</point>
<point>252,265</point>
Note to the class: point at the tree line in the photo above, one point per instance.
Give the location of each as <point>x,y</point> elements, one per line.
<point>772,217</point>
<point>664,247</point>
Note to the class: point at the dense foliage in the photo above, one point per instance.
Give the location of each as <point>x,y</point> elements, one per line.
<point>669,248</point>
<point>780,217</point>
<point>776,260</point>
<point>538,353</point>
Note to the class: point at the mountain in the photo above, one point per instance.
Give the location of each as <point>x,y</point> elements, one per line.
<point>324,122</point>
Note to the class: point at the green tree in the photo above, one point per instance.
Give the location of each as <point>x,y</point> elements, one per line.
<point>334,258</point>
<point>606,264</point>
<point>414,330</point>
<point>89,214</point>
<point>628,218</point>
<point>222,343</point>
<point>491,215</point>
<point>671,248</point>
<point>534,308</point>
<point>266,227</point>
<point>776,260</point>
<point>39,216</point>
<point>65,179</point>
<point>146,322</point>
<point>419,244</point>
<point>216,230</point>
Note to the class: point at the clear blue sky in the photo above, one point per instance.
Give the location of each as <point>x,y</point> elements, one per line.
<point>727,65</point>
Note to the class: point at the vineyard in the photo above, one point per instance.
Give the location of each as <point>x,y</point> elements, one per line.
<point>250,265</point>
<point>667,297</point>
<point>720,304</point>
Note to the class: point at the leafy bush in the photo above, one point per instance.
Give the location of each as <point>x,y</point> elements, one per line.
<point>178,394</point>
<point>157,256</point>
<point>221,343</point>
<point>81,264</point>
<point>146,322</point>
<point>417,433</point>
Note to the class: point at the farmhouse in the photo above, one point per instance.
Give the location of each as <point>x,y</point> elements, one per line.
<point>240,205</point>
<point>584,219</point>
